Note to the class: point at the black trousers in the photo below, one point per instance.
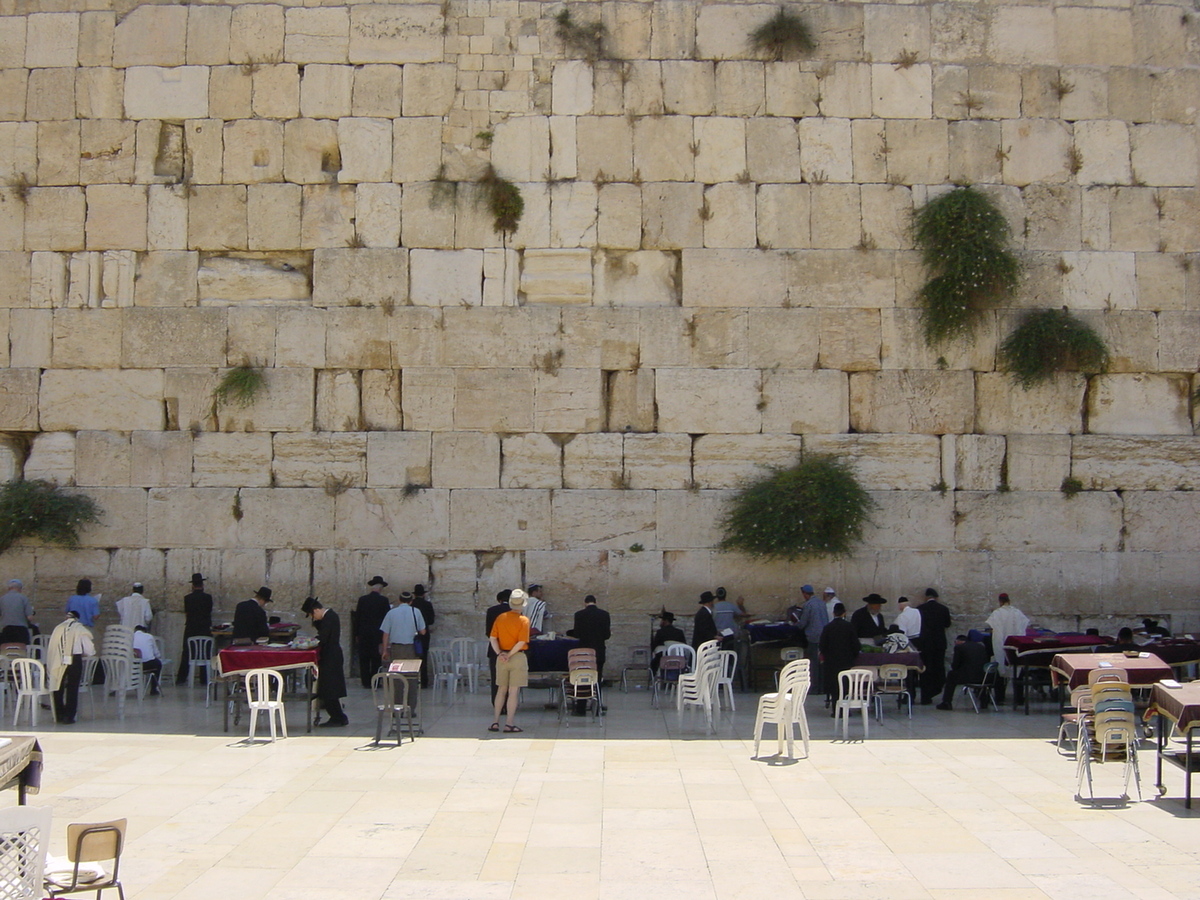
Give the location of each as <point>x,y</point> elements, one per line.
<point>66,698</point>
<point>333,708</point>
<point>369,659</point>
<point>181,672</point>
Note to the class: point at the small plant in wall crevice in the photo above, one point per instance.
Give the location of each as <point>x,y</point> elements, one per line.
<point>1049,341</point>
<point>815,508</point>
<point>43,510</point>
<point>963,239</point>
<point>504,201</point>
<point>784,34</point>
<point>240,386</point>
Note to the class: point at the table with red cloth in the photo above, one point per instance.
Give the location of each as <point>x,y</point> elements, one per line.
<point>911,661</point>
<point>1175,652</point>
<point>1181,705</point>
<point>232,662</point>
<point>1029,653</point>
<point>1073,669</point>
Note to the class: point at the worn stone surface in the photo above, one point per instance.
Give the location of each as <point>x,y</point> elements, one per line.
<point>1135,463</point>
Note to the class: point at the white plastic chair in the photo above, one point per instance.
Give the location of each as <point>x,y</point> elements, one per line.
<point>37,646</point>
<point>166,663</point>
<point>729,661</point>
<point>685,651</point>
<point>785,708</point>
<point>699,688</point>
<point>854,692</point>
<point>88,678</point>
<point>264,693</point>
<point>442,673</point>
<point>123,674</point>
<point>29,678</point>
<point>25,835</point>
<point>200,651</point>
<point>465,653</point>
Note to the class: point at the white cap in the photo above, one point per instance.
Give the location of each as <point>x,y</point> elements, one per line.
<point>830,590</point>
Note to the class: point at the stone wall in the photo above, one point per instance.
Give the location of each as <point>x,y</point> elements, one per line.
<point>713,272</point>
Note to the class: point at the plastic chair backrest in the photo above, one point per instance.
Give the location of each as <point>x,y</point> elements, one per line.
<point>581,658</point>
<point>729,660</point>
<point>383,690</point>
<point>1099,675</point>
<point>685,651</point>
<point>264,686</point>
<point>892,676</point>
<point>29,674</point>
<point>200,648</point>
<point>793,674</point>
<point>25,835</point>
<point>463,650</point>
<point>441,661</point>
<point>854,685</point>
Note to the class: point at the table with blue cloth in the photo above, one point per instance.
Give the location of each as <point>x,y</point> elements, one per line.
<point>550,656</point>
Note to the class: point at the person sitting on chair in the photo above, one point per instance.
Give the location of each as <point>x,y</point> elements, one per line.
<point>668,633</point>
<point>145,649</point>
<point>966,667</point>
<point>250,623</point>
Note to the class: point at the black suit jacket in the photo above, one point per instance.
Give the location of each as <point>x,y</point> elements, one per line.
<point>935,619</point>
<point>839,646</point>
<point>197,612</point>
<point>493,613</point>
<point>593,626</point>
<point>368,616</point>
<point>866,627</point>
<point>250,621</point>
<point>704,627</point>
<point>970,659</point>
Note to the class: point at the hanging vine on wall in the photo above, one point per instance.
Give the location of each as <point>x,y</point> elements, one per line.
<point>43,510</point>
<point>1049,341</point>
<point>817,507</point>
<point>963,239</point>
<point>784,34</point>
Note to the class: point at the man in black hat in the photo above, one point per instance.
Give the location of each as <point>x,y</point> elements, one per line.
<point>368,616</point>
<point>868,620</point>
<point>704,626</point>
<point>668,633</point>
<point>935,619</point>
<point>331,679</point>
<point>250,618</point>
<point>422,602</point>
<point>593,627</point>
<point>197,621</point>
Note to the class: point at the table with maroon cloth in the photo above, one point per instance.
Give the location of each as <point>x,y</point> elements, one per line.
<point>1073,669</point>
<point>1175,652</point>
<point>1028,654</point>
<point>911,661</point>
<point>1182,706</point>
<point>233,661</point>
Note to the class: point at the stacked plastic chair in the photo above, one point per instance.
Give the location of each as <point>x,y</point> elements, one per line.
<point>582,684</point>
<point>699,688</point>
<point>784,708</point>
<point>1108,734</point>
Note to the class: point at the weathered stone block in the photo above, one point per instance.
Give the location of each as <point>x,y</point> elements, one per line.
<point>903,345</point>
<point>30,338</point>
<point>1050,408</point>
<point>729,216</point>
<point>662,148</point>
<point>395,34</point>
<point>231,460</point>
<point>1037,151</point>
<point>1135,463</point>
<point>573,210</point>
<point>225,280</point>
<point>321,459</point>
<point>731,461</point>
<point>316,35</point>
<point>608,519</point>
<point>592,461</point>
<point>383,519</point>
<point>446,277</point>
<point>151,36</point>
<point>974,152</point>
<point>175,93</point>
<point>926,402</point>
<point>690,519</point>
<point>495,399</point>
<point>688,87</point>
<point>285,404</point>
<point>716,400</point>
<point>1139,404</point>
<point>103,459</point>
<point>918,151</point>
<point>378,91</point>
<point>836,219</point>
<point>417,154</point>
<point>531,461</point>
<point>604,148</point>
<point>296,517</point>
<point>512,520</point>
<point>671,216</point>
<point>360,277</point>
<point>123,525</point>
<point>397,459</point>
<point>657,461</point>
<point>825,150</point>
<point>102,400</point>
<point>1037,520</point>
<point>850,339</point>
<point>381,400</point>
<point>901,93</point>
<point>208,35</point>
<point>159,458</point>
<point>631,401</point>
<point>1165,154</point>
<point>1104,148</point>
<point>1152,521</point>
<point>885,462</point>
<point>427,399</point>
<point>786,338</point>
<point>568,401</point>
<point>54,219</point>
<point>978,461</point>
<point>725,278</point>
<point>721,29</point>
<point>52,458</point>
<point>799,401</point>
<point>636,278</point>
<point>87,339</point>
<point>1100,280</point>
<point>790,91</point>
<point>1091,37</point>
<point>116,217</point>
<point>339,401</point>
<point>916,520</point>
<point>1038,462</point>
<point>718,338</point>
<point>326,216</point>
<point>217,218</point>
<point>51,39</point>
<point>106,151</point>
<point>326,92</point>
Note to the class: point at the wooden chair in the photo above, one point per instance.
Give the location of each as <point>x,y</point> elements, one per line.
<point>95,843</point>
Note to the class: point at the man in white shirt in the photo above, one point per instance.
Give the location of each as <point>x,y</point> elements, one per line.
<point>134,609</point>
<point>144,649</point>
<point>909,620</point>
<point>831,600</point>
<point>1003,623</point>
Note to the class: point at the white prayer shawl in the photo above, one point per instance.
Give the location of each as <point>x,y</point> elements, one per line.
<point>1004,622</point>
<point>66,640</point>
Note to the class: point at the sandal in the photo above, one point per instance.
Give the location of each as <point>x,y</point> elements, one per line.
<point>511,729</point>
<point>495,726</point>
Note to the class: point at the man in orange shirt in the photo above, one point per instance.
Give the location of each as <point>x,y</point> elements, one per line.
<point>509,639</point>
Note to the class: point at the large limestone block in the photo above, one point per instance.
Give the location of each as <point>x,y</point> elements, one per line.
<point>619,213</point>
<point>393,33</point>
<point>721,29</point>
<point>123,524</point>
<point>1104,148</point>
<point>850,339</point>
<point>166,219</point>
<point>160,458</point>
<point>1054,215</point>
<point>730,216</point>
<point>231,460</point>
<point>384,519</point>
<point>783,216</point>
<point>592,461</point>
<point>642,89</point>
<point>427,399</point>
<point>978,460</point>
<point>173,337</point>
<point>285,404</point>
<point>1001,407</point>
<point>1179,339</point>
<point>152,92</point>
<point>517,337</point>
<point>378,91</point>
<point>791,91</point>
<point>358,338</point>
<point>1153,520</point>
<point>740,88</point>
<point>1023,35</point>
<point>662,148</point>
<point>604,148</point>
<point>690,520</point>
<point>772,151</point>
<point>568,401</point>
<point>73,399</point>
<point>556,276</point>
<point>1036,151</point>
<point>890,31</point>
<point>1165,154</point>
<point>106,150</point>
<point>366,149</point>
<point>446,277</point>
<point>417,152</point>
<point>339,401</point>
<point>188,396</point>
<point>521,148</point>
<point>836,216</point>
<point>316,35</point>
<point>841,278</point>
<point>429,90</point>
<point>718,338</point>
<point>709,400</point>
<point>923,402</point>
<point>1037,520</point>
<point>1100,280</point>
<point>918,151</point>
<point>495,399</point>
<point>87,339</point>
<point>367,277</point>
<point>320,459</point>
<point>51,39</point>
<point>636,278</point>
<point>665,338</point>
<point>310,151</point>
<point>1139,404</point>
<point>466,460</point>
<point>614,520</point>
<point>300,338</point>
<point>657,462</point>
<point>723,278</point>
<point>192,517</point>
<point>782,338</point>
<point>151,36</point>
<point>54,219</point>
<point>326,216</point>
<point>399,458</point>
<point>509,520</point>
<point>885,462</point>
<point>102,459</point>
<point>910,520</point>
<point>631,404</point>
<point>1038,462</point>
<point>253,278</point>
<point>273,216</point>
<point>253,151</point>
<point>671,216</point>
<point>52,458</point>
<point>572,88</point>
<point>217,218</point>
<point>531,461</point>
<point>256,34</point>
<point>1135,463</point>
<point>296,518</point>
<point>901,93</point>
<point>727,461</point>
<point>377,214</point>
<point>14,279</point>
<point>1094,37</point>
<point>803,401</point>
<point>688,87</point>
<point>972,152</point>
<point>825,150</point>
<point>573,212</point>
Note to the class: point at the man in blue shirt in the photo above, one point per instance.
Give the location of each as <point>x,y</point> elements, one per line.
<point>83,603</point>
<point>399,630</point>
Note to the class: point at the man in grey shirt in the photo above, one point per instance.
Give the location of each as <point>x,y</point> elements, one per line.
<point>16,613</point>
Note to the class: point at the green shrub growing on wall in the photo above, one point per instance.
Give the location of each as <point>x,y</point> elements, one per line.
<point>504,201</point>
<point>963,239</point>
<point>816,508</point>
<point>782,35</point>
<point>1049,341</point>
<point>240,386</point>
<point>45,511</point>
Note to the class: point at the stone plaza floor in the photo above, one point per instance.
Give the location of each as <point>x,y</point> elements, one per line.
<point>947,805</point>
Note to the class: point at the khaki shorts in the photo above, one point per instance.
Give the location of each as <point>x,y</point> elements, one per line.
<point>513,673</point>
